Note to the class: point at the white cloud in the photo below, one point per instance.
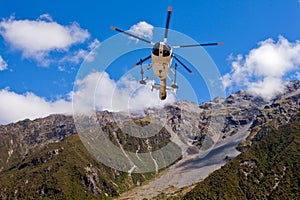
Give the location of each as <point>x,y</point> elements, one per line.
<point>82,54</point>
<point>61,68</point>
<point>142,29</point>
<point>94,44</point>
<point>46,17</point>
<point>3,64</point>
<point>263,70</point>
<point>267,88</point>
<point>76,56</point>
<point>37,38</point>
<point>15,107</point>
<point>125,95</point>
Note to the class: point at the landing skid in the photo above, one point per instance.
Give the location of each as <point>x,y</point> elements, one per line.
<point>143,81</point>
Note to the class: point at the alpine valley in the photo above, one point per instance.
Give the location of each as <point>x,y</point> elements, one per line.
<point>249,149</point>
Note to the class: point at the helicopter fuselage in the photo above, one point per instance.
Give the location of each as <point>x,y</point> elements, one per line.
<point>161,63</point>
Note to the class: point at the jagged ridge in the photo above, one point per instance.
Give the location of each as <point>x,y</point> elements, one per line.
<point>24,140</point>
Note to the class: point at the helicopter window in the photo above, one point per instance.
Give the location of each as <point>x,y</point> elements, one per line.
<point>155,49</point>
<point>166,50</point>
<point>166,53</point>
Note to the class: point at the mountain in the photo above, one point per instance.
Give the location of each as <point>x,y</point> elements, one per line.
<point>238,119</point>
<point>269,169</point>
<point>45,158</point>
<point>21,138</point>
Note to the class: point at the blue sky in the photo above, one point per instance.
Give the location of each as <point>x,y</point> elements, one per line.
<point>45,73</point>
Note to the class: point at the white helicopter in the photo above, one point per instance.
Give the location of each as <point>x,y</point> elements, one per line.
<point>162,56</point>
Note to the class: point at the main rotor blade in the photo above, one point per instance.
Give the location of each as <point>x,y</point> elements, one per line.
<point>167,23</point>
<point>142,60</point>
<point>129,34</point>
<point>190,71</point>
<point>196,45</point>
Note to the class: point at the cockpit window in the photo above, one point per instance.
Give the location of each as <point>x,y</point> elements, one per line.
<point>166,51</point>
<point>155,49</point>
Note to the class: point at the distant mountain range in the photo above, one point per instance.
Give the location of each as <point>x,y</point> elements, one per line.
<point>45,158</point>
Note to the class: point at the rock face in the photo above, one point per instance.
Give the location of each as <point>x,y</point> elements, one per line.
<point>268,166</point>
<point>45,146</point>
<point>237,116</point>
<point>45,158</point>
<point>19,139</point>
<point>269,169</point>
<point>223,117</point>
<point>275,114</point>
<point>232,114</point>
<point>63,170</point>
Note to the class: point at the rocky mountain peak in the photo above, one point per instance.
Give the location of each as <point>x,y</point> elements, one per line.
<point>240,113</point>
<point>19,138</point>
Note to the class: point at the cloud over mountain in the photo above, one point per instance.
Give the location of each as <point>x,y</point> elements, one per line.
<point>265,68</point>
<point>99,91</point>
<point>14,107</point>
<point>95,91</point>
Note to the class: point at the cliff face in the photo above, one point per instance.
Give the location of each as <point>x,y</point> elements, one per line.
<point>268,169</point>
<point>64,170</point>
<point>235,118</point>
<point>21,138</point>
<point>45,157</point>
<point>268,166</point>
<point>275,114</point>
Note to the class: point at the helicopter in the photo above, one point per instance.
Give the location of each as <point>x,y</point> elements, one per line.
<point>162,57</point>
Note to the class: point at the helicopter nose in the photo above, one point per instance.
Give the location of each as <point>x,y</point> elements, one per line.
<point>163,95</point>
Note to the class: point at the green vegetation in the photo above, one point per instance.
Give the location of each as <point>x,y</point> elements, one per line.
<point>269,169</point>
<point>64,170</point>
<point>40,165</point>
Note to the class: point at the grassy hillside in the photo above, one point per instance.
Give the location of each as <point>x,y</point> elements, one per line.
<point>64,170</point>
<point>269,169</point>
